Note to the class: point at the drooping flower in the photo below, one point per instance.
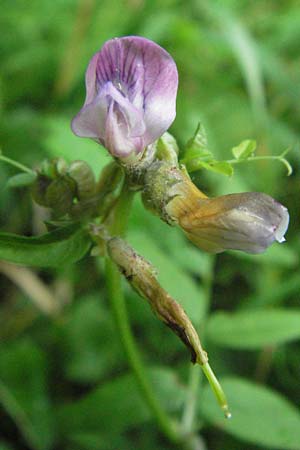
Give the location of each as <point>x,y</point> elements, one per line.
<point>131,87</point>
<point>249,221</point>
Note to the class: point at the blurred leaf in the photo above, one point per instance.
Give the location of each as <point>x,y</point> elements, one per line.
<point>259,415</point>
<point>254,329</point>
<point>5,446</point>
<point>23,393</point>
<point>118,403</point>
<point>90,343</point>
<point>222,167</point>
<point>278,255</point>
<point>244,149</point>
<point>198,143</point>
<point>21,180</point>
<point>62,246</point>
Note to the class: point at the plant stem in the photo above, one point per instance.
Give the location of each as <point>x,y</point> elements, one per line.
<point>195,375</point>
<point>264,158</point>
<point>113,277</point>
<point>16,164</point>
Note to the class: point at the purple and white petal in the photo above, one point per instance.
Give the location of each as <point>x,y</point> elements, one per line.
<point>130,102</point>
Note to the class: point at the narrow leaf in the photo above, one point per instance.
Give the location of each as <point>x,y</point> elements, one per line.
<point>254,329</point>
<point>21,179</point>
<point>199,140</point>
<point>259,415</point>
<point>64,245</point>
<point>113,402</point>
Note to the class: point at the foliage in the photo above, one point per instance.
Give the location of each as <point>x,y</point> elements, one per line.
<point>64,379</point>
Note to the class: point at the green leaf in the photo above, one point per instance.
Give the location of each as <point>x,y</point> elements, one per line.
<point>198,142</point>
<point>259,415</point>
<point>112,403</point>
<point>254,329</point>
<point>21,179</point>
<point>244,149</point>
<point>277,255</point>
<point>222,167</point>
<point>4,445</point>
<point>62,246</point>
<point>90,343</point>
<point>23,393</point>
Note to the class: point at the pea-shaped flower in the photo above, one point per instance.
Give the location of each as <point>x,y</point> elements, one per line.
<point>131,86</point>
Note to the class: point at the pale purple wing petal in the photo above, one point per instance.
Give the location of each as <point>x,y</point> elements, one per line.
<point>146,74</point>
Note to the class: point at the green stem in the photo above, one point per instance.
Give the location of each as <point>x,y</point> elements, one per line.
<point>16,164</point>
<point>191,401</point>
<point>263,158</point>
<point>113,277</point>
<point>195,375</point>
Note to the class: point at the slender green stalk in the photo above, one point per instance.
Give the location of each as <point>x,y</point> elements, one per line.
<point>217,389</point>
<point>191,401</point>
<point>190,408</point>
<point>15,164</point>
<point>263,158</point>
<point>113,277</point>
<point>195,375</point>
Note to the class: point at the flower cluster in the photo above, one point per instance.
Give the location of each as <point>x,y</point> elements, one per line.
<point>131,86</point>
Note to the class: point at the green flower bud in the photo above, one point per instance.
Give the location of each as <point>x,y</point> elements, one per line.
<point>84,178</point>
<point>39,189</point>
<point>60,194</point>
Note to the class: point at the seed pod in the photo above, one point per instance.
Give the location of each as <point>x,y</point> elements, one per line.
<point>84,178</point>
<point>59,195</point>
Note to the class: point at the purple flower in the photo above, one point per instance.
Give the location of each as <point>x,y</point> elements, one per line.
<point>131,86</point>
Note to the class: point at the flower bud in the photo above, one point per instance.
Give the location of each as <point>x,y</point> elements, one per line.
<point>84,178</point>
<point>59,195</point>
<point>131,86</point>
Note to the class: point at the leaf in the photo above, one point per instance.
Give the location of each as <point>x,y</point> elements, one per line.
<point>222,167</point>
<point>90,343</point>
<point>244,149</point>
<point>112,403</point>
<point>23,393</point>
<point>21,179</point>
<point>63,246</point>
<point>198,142</point>
<point>277,255</point>
<point>254,329</point>
<point>259,415</point>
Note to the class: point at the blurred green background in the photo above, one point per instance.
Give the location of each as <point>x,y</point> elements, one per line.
<point>64,380</point>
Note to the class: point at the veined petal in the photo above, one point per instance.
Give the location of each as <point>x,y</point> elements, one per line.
<point>249,222</point>
<point>117,133</point>
<point>141,79</point>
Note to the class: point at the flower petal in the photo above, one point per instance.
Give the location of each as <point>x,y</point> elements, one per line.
<point>249,222</point>
<point>141,78</point>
